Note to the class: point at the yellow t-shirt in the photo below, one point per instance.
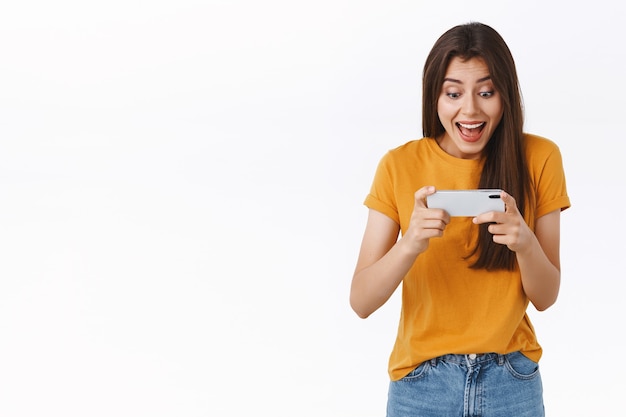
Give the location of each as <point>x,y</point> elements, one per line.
<point>448,308</point>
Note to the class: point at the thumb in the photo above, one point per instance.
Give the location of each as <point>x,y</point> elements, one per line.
<point>422,193</point>
<point>510,205</point>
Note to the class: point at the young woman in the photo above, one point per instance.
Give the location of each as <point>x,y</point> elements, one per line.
<point>465,345</point>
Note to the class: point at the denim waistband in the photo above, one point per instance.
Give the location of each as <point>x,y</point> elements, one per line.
<point>469,359</point>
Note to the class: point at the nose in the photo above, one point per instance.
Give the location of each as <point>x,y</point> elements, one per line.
<point>469,104</point>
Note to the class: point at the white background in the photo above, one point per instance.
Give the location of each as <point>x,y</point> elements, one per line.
<point>181,188</point>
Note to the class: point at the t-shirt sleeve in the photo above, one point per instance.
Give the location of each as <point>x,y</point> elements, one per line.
<point>552,189</point>
<point>381,196</point>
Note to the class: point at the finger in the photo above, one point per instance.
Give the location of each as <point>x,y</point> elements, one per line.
<point>496,229</point>
<point>434,224</point>
<point>509,202</point>
<point>488,217</point>
<point>421,194</point>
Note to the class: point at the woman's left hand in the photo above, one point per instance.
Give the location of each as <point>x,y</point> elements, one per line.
<point>508,227</point>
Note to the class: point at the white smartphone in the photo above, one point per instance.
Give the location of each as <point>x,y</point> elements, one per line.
<point>466,202</point>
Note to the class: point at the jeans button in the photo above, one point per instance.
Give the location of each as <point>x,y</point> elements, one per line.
<point>472,356</point>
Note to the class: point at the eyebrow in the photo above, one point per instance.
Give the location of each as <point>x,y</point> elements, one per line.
<point>480,80</point>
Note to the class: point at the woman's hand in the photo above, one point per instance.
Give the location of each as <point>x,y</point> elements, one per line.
<point>425,223</point>
<point>508,227</point>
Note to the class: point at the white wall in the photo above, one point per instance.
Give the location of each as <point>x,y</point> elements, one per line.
<point>181,189</point>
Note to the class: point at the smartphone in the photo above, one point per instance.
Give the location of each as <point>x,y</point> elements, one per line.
<point>466,202</point>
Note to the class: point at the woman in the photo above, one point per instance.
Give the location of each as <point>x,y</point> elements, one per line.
<point>465,345</point>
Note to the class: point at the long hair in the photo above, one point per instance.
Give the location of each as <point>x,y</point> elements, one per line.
<point>505,162</point>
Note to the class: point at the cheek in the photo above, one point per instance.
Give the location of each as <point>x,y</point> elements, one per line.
<point>497,115</point>
<point>445,112</point>
<point>496,110</point>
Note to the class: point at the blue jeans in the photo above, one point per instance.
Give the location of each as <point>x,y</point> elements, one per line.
<point>488,385</point>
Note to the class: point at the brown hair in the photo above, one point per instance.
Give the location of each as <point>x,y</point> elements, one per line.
<point>505,163</point>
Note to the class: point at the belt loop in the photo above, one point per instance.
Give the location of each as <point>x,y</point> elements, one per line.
<point>433,362</point>
<point>501,359</point>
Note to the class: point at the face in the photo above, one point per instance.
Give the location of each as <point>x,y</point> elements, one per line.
<point>469,108</point>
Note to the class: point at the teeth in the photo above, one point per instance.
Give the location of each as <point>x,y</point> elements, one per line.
<point>474,126</point>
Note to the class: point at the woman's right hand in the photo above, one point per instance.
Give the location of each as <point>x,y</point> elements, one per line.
<point>425,223</point>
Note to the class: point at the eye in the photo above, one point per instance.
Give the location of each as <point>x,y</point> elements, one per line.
<point>453,95</point>
<point>486,94</point>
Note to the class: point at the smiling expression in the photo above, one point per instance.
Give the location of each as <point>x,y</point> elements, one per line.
<point>469,108</point>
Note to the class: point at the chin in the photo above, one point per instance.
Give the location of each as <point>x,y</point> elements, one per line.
<point>474,150</point>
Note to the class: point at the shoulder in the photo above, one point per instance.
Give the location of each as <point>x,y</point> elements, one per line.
<point>545,166</point>
<point>406,156</point>
<point>536,143</point>
<point>540,149</point>
<point>410,148</point>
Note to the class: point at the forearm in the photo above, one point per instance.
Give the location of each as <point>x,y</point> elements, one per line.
<point>373,285</point>
<point>541,279</point>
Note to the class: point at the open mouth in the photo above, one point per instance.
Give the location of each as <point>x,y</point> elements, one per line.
<point>471,130</point>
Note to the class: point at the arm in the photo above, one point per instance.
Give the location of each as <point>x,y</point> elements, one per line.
<point>384,260</point>
<point>537,253</point>
<point>540,262</point>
